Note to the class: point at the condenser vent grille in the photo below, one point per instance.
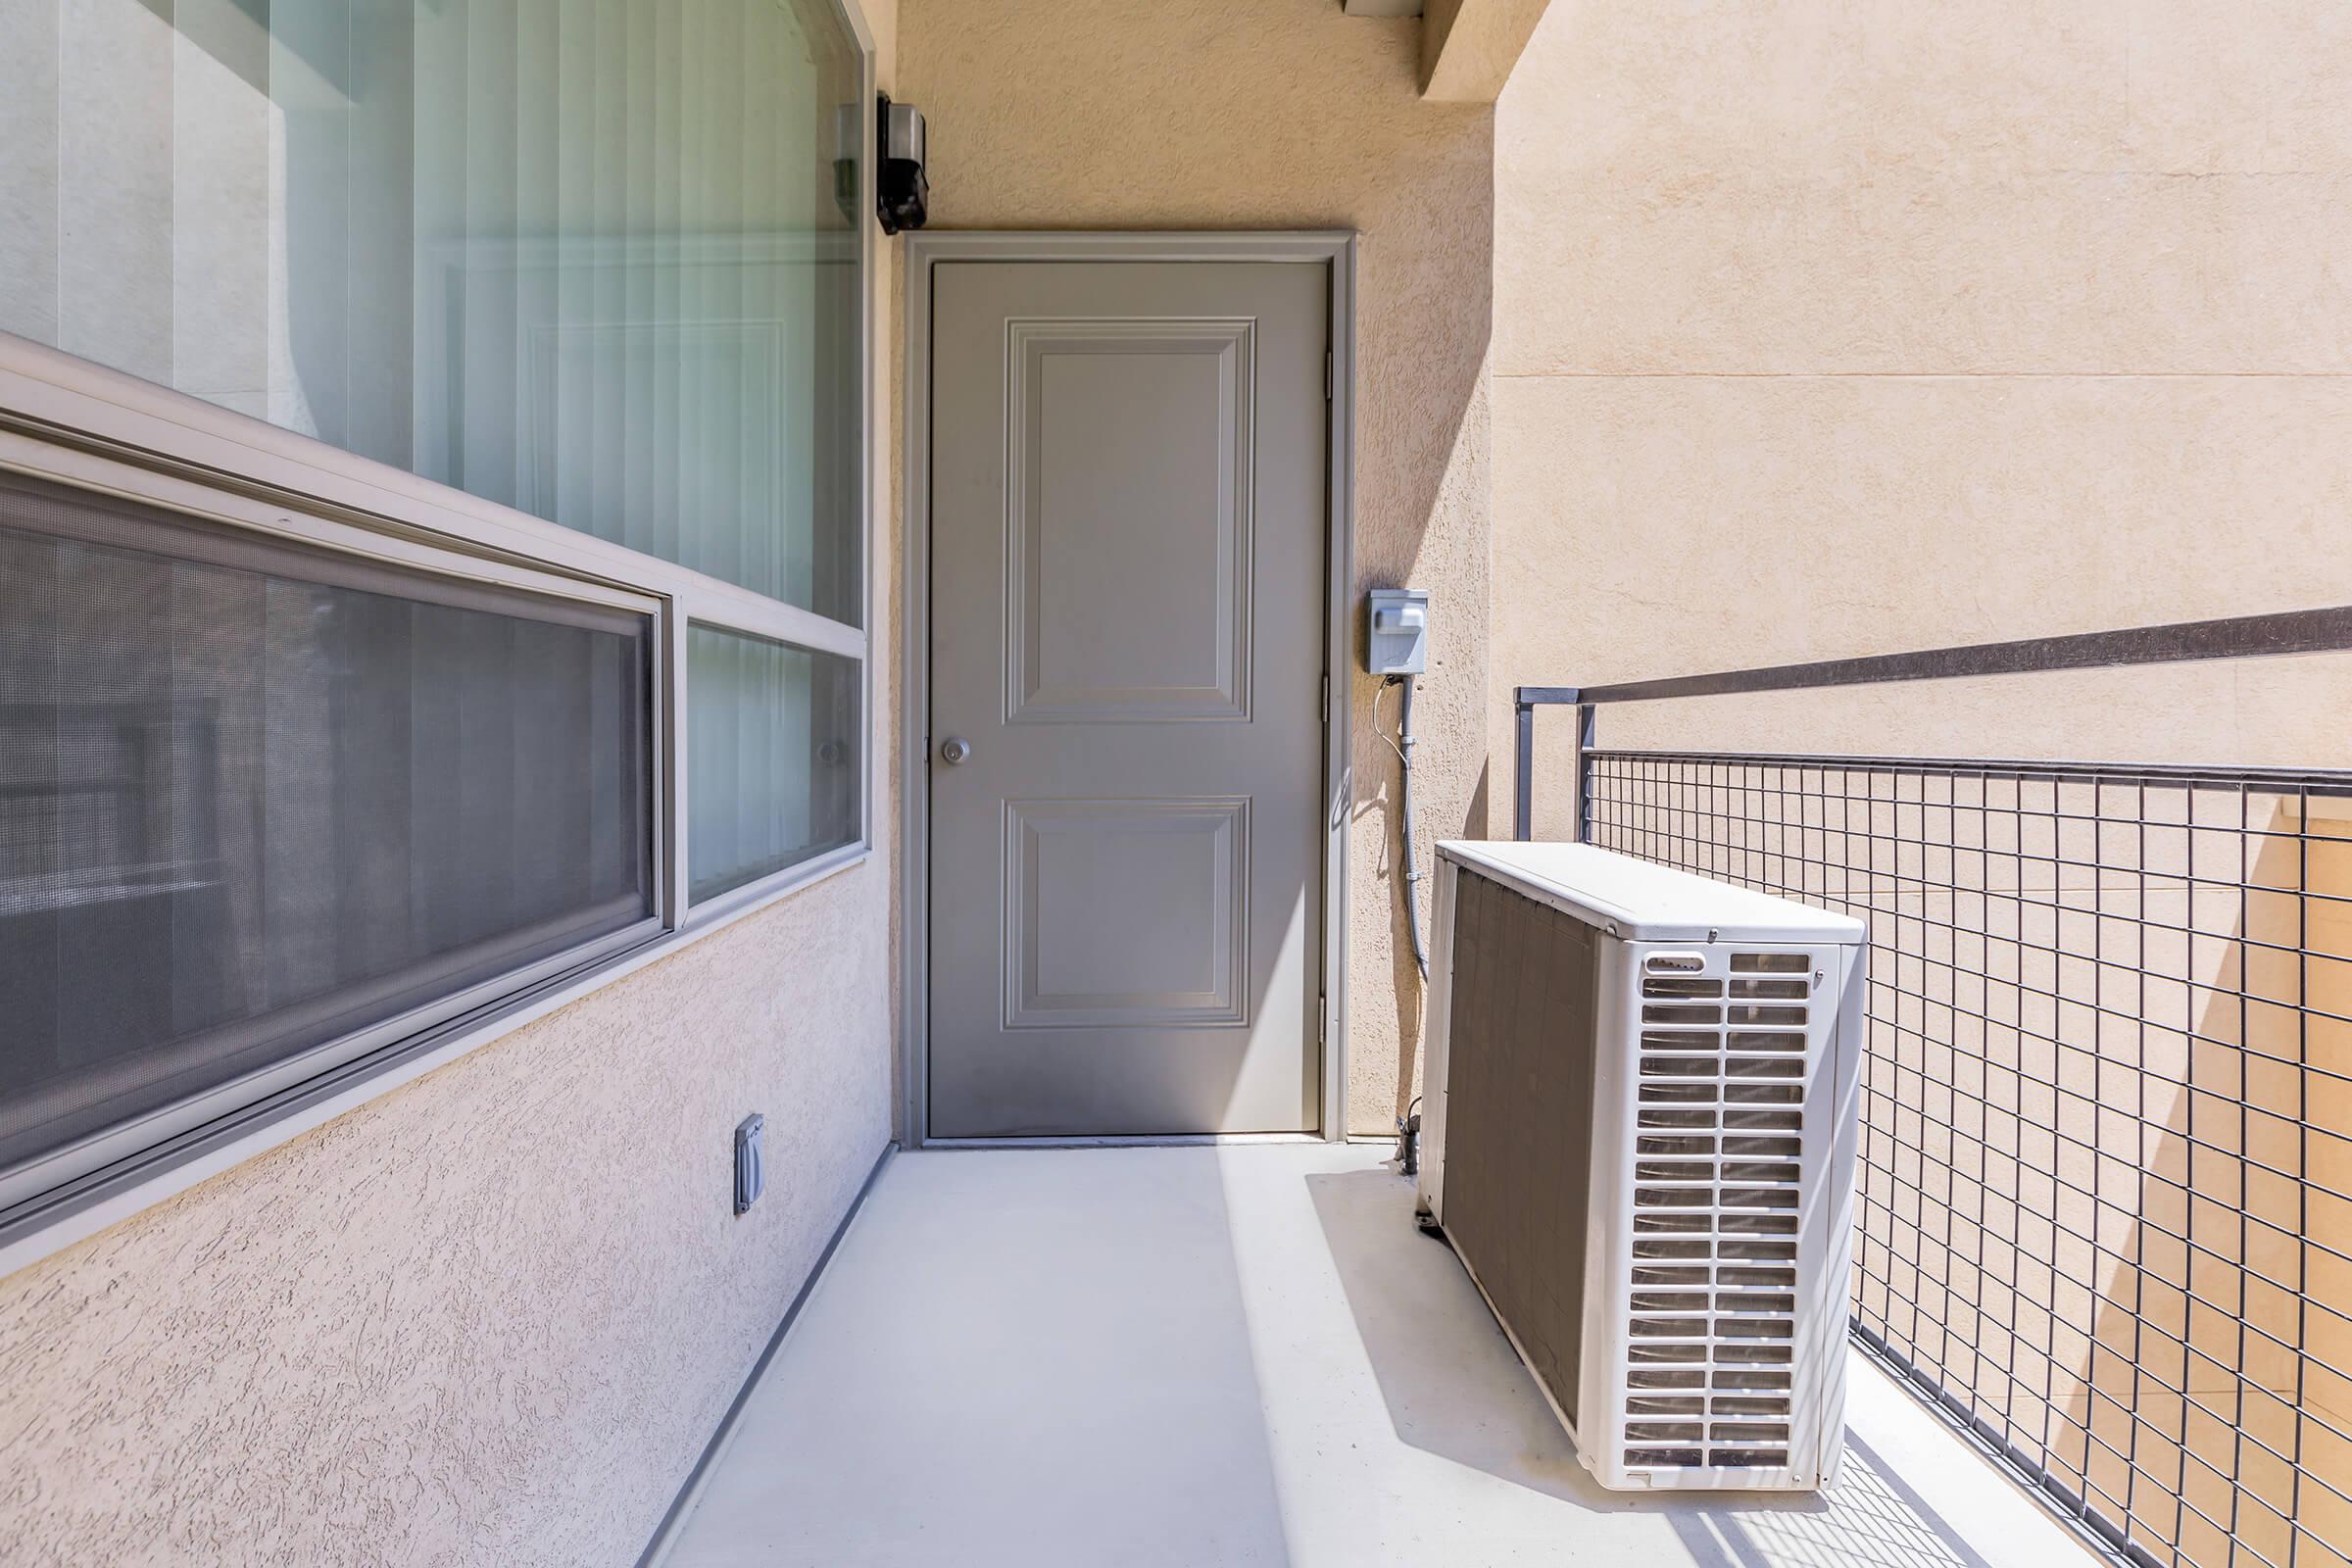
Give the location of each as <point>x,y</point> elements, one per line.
<point>1718,1154</point>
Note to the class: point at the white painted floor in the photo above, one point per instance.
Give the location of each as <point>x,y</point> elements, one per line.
<point>1238,1354</point>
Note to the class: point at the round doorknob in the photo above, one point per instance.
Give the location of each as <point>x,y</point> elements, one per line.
<point>955,751</point>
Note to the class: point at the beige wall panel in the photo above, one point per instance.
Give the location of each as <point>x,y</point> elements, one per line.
<point>1243,114</point>
<point>1841,515</point>
<point>1661,525</point>
<point>1793,187</point>
<point>1900,272</point>
<point>2216,86</point>
<point>490,1317</point>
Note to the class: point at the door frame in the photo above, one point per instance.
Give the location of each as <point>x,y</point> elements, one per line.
<point>1330,249</point>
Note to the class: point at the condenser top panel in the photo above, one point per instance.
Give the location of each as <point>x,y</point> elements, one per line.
<point>1646,902</point>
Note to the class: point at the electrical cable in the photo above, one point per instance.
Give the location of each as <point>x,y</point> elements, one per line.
<point>1405,812</point>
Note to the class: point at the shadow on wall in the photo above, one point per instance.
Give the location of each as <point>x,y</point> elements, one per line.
<point>1447,725</point>
<point>2210,1363</point>
<point>1465,1398</point>
<point>1409,988</point>
<point>2104,1180</point>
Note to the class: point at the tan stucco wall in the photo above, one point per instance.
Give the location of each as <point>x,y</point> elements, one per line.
<point>490,1317</point>
<point>1825,329</point>
<point>494,1315</point>
<point>1280,114</point>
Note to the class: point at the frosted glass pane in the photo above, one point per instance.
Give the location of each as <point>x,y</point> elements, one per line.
<point>772,770</point>
<point>593,259</point>
<point>254,798</point>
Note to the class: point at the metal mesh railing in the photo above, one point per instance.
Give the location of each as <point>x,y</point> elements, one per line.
<point>2105,1184</point>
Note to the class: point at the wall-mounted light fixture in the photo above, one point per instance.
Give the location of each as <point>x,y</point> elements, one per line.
<point>902,188</point>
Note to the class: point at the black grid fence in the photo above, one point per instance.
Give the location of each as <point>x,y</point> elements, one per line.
<point>2105,1184</point>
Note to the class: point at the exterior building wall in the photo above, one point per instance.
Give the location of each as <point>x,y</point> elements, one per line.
<point>493,1315</point>
<point>1824,330</point>
<point>1281,114</point>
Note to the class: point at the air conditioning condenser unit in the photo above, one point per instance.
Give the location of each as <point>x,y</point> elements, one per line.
<point>1638,1132</point>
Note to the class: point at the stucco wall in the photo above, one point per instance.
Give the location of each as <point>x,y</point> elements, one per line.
<point>490,1317</point>
<point>1280,114</point>
<point>1825,329</point>
<point>494,1315</point>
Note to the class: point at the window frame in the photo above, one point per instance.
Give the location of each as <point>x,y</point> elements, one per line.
<point>80,423</point>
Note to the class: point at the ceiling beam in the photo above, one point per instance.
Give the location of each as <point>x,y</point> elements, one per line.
<point>1468,47</point>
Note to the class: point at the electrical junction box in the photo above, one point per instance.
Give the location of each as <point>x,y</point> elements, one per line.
<point>1397,631</point>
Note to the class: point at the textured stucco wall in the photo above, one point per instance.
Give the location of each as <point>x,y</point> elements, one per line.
<point>1280,114</point>
<point>1824,329</point>
<point>492,1316</point>
<point>1829,328</point>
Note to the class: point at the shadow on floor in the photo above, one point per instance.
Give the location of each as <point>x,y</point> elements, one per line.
<point>1871,1520</point>
<point>1465,1397</point>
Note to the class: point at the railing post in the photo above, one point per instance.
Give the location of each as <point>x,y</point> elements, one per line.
<point>1585,728</point>
<point>1522,771</point>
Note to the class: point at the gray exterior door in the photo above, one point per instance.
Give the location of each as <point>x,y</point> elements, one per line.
<point>1127,589</point>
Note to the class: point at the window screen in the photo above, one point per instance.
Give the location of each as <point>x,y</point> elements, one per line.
<point>254,798</point>
<point>601,263</point>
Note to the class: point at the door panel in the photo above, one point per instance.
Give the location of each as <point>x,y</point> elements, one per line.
<point>1177,956</point>
<point>1128,536</point>
<point>1148,620</point>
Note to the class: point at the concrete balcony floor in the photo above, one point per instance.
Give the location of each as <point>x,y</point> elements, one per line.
<point>1238,1354</point>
